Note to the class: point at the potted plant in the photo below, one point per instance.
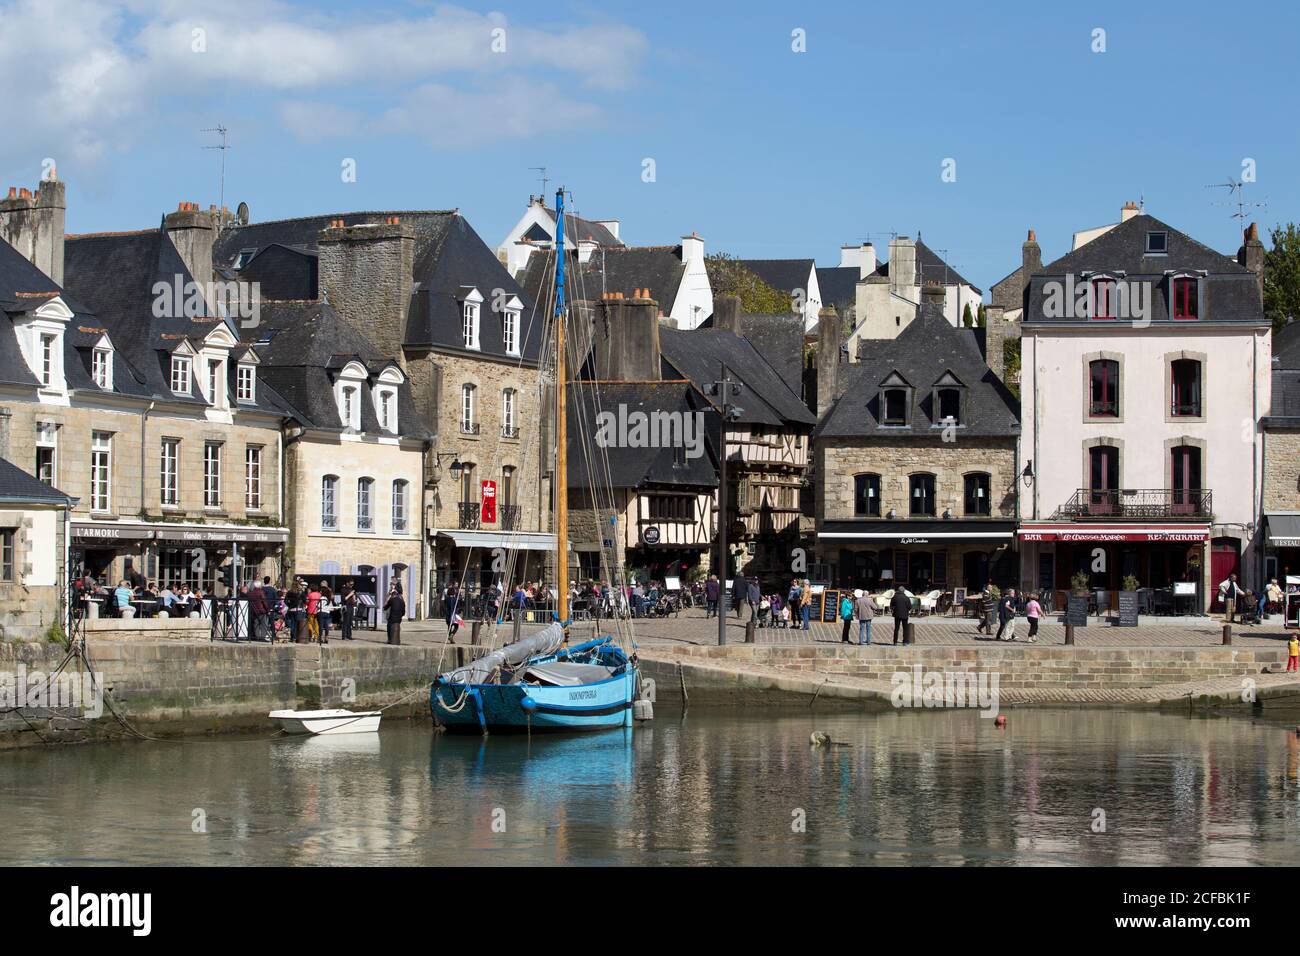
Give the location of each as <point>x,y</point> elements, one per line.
<point>1079,583</point>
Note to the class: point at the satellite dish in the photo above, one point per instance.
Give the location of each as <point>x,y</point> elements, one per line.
<point>241,214</point>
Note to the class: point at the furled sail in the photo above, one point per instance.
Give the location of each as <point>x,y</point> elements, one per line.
<point>544,642</point>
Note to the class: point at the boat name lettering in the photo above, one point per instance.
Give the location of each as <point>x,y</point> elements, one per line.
<point>582,695</point>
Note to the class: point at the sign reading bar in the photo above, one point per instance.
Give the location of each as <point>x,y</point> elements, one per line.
<point>1108,535</point>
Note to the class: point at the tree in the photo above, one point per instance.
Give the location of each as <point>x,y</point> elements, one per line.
<point>1282,276</point>
<point>727,276</point>
<point>967,319</point>
<point>980,316</point>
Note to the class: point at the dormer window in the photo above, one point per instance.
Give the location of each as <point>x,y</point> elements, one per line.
<point>181,374</point>
<point>245,385</point>
<point>949,405</point>
<point>1157,243</point>
<point>510,331</point>
<point>387,415</point>
<point>1103,299</point>
<point>49,345</point>
<point>245,256</point>
<point>216,383</point>
<point>101,368</point>
<point>895,406</point>
<point>469,317</point>
<point>384,395</point>
<point>349,412</point>
<point>347,395</point>
<point>1184,294</point>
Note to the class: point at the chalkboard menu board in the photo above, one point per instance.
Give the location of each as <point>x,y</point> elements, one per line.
<point>830,605</point>
<point>1128,609</point>
<point>900,567</point>
<point>815,608</point>
<point>1076,610</point>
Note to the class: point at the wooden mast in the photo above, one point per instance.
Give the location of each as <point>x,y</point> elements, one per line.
<point>561,483</point>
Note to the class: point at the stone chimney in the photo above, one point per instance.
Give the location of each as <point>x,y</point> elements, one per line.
<point>5,417</point>
<point>193,231</point>
<point>33,224</point>
<point>1031,257</point>
<point>902,265</point>
<point>933,298</point>
<point>692,249</point>
<point>1128,211</point>
<point>995,335</point>
<point>625,338</point>
<point>862,258</point>
<point>726,313</point>
<point>829,336</point>
<point>365,272</point>
<point>1251,255</point>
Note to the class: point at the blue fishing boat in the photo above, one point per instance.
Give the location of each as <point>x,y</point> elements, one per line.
<point>540,683</point>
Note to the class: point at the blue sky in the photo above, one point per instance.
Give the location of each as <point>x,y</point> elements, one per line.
<point>764,151</point>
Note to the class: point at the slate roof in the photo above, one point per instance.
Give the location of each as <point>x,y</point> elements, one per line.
<point>1285,409</point>
<point>1230,293</point>
<point>302,347</point>
<point>584,230</point>
<point>839,287</point>
<point>779,339</point>
<point>448,255</point>
<point>1286,346</point>
<point>22,287</point>
<point>784,275</point>
<point>766,399</point>
<point>282,272</point>
<point>921,354</point>
<point>657,268</point>
<point>634,467</point>
<point>16,486</point>
<point>931,269</point>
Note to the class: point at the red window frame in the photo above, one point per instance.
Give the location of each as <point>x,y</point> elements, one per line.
<point>1103,300</point>
<point>1109,389</point>
<point>1185,294</point>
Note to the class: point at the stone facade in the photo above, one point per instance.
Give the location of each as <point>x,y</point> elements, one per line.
<point>1282,471</point>
<point>30,605</point>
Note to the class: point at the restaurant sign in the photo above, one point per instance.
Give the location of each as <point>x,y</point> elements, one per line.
<point>92,532</point>
<point>107,532</point>
<point>1104,535</point>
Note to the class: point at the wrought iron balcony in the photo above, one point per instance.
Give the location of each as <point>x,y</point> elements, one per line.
<point>1119,504</point>
<point>509,431</point>
<point>508,517</point>
<point>470,428</point>
<point>470,512</point>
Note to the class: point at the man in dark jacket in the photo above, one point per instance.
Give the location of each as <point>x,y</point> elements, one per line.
<point>712,591</point>
<point>396,608</point>
<point>754,596</point>
<point>1007,615</point>
<point>739,593</point>
<point>900,605</point>
<point>259,611</point>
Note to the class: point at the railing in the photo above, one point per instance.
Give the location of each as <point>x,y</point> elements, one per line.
<point>1137,503</point>
<point>470,511</point>
<point>508,517</point>
<point>509,431</point>
<point>1103,409</point>
<point>470,428</point>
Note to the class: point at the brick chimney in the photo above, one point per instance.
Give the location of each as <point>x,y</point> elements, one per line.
<point>1128,211</point>
<point>995,335</point>
<point>366,272</point>
<point>829,339</point>
<point>193,231</point>
<point>1251,255</point>
<point>33,224</point>
<point>625,339</point>
<point>726,313</point>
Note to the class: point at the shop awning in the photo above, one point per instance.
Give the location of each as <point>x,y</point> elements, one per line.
<point>510,540</point>
<point>1283,530</point>
<point>916,532</point>
<point>107,532</point>
<point>1104,532</point>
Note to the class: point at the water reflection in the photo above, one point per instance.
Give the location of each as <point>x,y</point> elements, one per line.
<point>912,787</point>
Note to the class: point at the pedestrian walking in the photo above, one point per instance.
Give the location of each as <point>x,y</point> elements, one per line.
<point>755,598</point>
<point>451,609</point>
<point>1293,654</point>
<point>1229,594</point>
<point>900,605</point>
<point>739,593</point>
<point>323,611</point>
<point>396,608</point>
<point>712,592</point>
<point>1007,616</point>
<point>1033,611</point>
<point>865,609</point>
<point>846,614</point>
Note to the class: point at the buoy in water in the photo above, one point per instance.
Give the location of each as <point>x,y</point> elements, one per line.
<point>643,710</point>
<point>1000,721</point>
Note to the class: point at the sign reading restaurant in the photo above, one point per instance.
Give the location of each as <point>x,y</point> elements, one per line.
<point>1116,534</point>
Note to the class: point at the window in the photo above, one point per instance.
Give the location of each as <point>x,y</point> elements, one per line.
<point>921,489</point>
<point>46,449</point>
<point>467,423</point>
<point>349,406</point>
<point>1185,298</point>
<point>1103,400</point>
<point>866,496</point>
<point>329,516</point>
<point>7,555</point>
<point>47,359</point>
<point>253,478</point>
<point>506,493</point>
<point>1185,388</point>
<point>1103,479</point>
<point>101,469</point>
<point>508,427</point>
<point>180,375</point>
<point>399,507</point>
<point>168,471</point>
<point>672,508</point>
<point>978,500</point>
<point>470,325</point>
<point>1103,299</point>
<point>212,475</point>
<point>387,420</point>
<point>895,401</point>
<point>1185,475</point>
<point>510,331</point>
<point>1157,243</point>
<point>245,387</point>
<point>950,405</point>
<point>215,397</point>
<point>365,516</point>
<point>468,484</point>
<point>101,368</point>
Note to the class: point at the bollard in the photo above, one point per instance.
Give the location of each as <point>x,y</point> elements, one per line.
<point>474,632</point>
<point>909,633</point>
<point>518,625</point>
<point>1069,634</point>
<point>1227,634</point>
<point>749,631</point>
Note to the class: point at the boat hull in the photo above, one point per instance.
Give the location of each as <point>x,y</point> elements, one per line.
<point>520,708</point>
<point>321,722</point>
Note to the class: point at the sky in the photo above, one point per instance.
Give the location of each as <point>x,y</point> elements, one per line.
<point>771,129</point>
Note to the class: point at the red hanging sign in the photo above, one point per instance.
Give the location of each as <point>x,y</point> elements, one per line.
<point>489,506</point>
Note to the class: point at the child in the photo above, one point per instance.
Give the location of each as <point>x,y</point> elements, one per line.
<point>1033,611</point>
<point>1293,649</point>
<point>785,615</point>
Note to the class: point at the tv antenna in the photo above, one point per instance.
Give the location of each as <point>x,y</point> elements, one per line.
<point>225,145</point>
<point>1237,197</point>
<point>543,177</point>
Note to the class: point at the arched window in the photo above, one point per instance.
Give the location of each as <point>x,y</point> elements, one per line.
<point>1103,400</point>
<point>329,513</point>
<point>365,504</point>
<point>978,499</point>
<point>866,496</point>
<point>921,494</point>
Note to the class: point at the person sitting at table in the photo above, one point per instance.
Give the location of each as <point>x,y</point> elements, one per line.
<point>122,598</point>
<point>166,598</point>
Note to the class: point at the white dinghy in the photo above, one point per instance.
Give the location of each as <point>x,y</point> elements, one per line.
<point>327,721</point>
